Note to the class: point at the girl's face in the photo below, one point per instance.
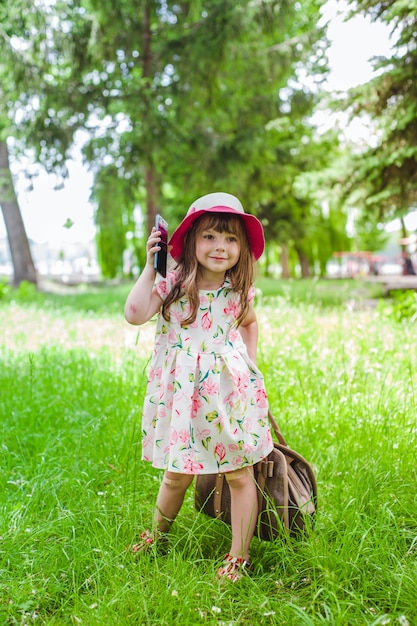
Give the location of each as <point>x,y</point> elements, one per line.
<point>216,251</point>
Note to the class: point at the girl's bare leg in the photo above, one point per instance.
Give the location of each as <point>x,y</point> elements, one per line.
<point>170,498</point>
<point>244,510</point>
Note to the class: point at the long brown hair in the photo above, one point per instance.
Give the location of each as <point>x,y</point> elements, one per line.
<point>241,275</point>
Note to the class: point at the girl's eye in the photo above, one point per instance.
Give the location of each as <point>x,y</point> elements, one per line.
<point>229,238</point>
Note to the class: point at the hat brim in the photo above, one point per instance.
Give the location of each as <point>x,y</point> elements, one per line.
<point>253,227</point>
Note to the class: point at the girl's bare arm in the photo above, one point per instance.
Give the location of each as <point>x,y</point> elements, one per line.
<point>249,331</point>
<point>144,301</point>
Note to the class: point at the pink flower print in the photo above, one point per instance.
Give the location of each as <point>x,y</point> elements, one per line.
<point>163,288</point>
<point>233,308</point>
<point>246,425</point>
<point>233,447</point>
<point>258,382</point>
<point>155,373</point>
<point>220,452</point>
<point>209,387</point>
<point>235,377</point>
<point>173,437</point>
<point>206,321</point>
<point>172,336</point>
<point>229,400</point>
<point>147,441</point>
<point>204,436</point>
<point>175,316</point>
<point>176,370</point>
<point>219,340</point>
<point>237,461</point>
<point>184,436</point>
<point>217,419</point>
<point>261,398</point>
<point>247,447</point>
<point>234,335</point>
<point>178,315</point>
<point>219,422</point>
<point>196,404</point>
<point>268,438</point>
<point>204,302</point>
<point>190,465</point>
<point>162,411</point>
<point>243,382</point>
<point>203,433</point>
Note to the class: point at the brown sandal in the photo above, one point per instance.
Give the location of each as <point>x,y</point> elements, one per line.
<point>233,568</point>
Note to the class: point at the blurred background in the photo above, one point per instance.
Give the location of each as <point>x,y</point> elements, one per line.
<point>112,112</point>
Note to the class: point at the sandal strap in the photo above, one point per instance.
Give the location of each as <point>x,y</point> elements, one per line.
<point>146,540</point>
<point>233,567</point>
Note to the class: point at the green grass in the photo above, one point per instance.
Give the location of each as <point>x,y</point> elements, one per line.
<point>74,492</point>
<point>109,298</point>
<point>324,293</point>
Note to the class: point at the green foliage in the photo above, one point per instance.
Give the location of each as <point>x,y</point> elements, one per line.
<point>4,288</point>
<point>402,307</point>
<point>74,492</point>
<point>386,173</point>
<point>109,299</point>
<point>112,196</point>
<point>370,234</point>
<point>327,293</point>
<point>295,204</point>
<point>101,300</point>
<point>190,96</point>
<point>26,292</point>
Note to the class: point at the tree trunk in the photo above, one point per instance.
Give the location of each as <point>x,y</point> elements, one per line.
<point>285,263</point>
<point>404,232</point>
<point>151,203</point>
<point>23,266</point>
<point>150,177</point>
<point>304,264</point>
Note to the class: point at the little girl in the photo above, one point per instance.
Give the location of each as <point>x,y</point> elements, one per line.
<point>205,409</point>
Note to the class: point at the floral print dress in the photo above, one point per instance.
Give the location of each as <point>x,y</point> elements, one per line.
<point>205,408</point>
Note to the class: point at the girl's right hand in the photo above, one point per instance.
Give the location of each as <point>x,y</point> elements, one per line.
<point>143,300</point>
<point>152,245</point>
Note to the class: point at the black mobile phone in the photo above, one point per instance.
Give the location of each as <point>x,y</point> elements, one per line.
<point>160,258</point>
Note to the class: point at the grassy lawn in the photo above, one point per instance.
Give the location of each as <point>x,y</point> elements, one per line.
<point>74,493</point>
